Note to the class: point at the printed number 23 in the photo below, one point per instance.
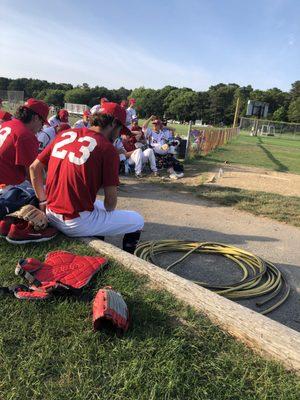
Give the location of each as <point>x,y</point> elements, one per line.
<point>84,149</point>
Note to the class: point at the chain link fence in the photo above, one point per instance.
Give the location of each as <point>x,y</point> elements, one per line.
<point>265,127</point>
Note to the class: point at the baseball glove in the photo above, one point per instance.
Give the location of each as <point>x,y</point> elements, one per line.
<point>110,310</point>
<point>33,215</point>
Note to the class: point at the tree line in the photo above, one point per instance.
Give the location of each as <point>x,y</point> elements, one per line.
<point>215,106</point>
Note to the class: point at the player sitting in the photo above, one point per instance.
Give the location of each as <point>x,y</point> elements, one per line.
<point>160,140</point>
<point>18,143</point>
<point>61,117</point>
<point>47,134</point>
<point>80,162</point>
<point>85,121</point>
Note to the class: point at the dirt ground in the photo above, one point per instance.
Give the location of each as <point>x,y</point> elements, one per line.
<point>179,215</point>
<point>249,178</point>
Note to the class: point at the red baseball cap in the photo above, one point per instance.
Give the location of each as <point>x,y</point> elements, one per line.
<point>118,112</point>
<point>5,116</point>
<point>86,113</point>
<point>39,107</point>
<point>63,115</point>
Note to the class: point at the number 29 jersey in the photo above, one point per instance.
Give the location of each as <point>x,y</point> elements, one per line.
<point>80,162</point>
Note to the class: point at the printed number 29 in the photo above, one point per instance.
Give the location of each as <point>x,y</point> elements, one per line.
<point>84,149</point>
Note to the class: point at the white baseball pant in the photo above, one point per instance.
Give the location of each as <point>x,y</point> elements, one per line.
<point>98,222</point>
<point>139,157</point>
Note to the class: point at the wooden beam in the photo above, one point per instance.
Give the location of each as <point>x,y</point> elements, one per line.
<point>263,335</point>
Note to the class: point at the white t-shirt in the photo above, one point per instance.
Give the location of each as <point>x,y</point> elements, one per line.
<point>81,124</point>
<point>45,137</point>
<point>53,121</point>
<point>95,109</point>
<point>156,140</point>
<point>130,113</point>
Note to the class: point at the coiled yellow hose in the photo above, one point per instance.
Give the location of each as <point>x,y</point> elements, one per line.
<point>260,277</point>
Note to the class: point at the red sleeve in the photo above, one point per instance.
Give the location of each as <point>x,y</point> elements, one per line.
<point>26,150</point>
<point>110,164</point>
<point>44,156</point>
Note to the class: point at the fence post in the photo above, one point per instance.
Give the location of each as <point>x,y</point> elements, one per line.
<point>188,142</point>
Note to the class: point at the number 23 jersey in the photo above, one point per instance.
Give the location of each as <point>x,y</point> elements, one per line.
<point>80,162</point>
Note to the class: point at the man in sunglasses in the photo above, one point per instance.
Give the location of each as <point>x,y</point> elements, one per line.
<point>18,143</point>
<point>80,162</point>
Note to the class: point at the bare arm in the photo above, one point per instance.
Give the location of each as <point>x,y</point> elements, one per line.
<point>145,126</point>
<point>36,171</point>
<point>110,198</point>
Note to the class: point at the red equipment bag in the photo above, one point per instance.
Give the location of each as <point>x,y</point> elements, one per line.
<point>60,272</point>
<point>110,307</point>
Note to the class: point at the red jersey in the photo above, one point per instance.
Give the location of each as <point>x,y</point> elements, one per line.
<point>79,161</point>
<point>18,149</point>
<point>129,143</point>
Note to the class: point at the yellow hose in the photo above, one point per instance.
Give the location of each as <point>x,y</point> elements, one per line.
<point>260,277</point>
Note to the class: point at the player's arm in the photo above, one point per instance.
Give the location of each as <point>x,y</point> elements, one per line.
<point>110,198</point>
<point>145,126</point>
<point>36,171</point>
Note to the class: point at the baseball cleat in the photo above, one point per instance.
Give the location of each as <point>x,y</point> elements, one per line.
<point>20,234</point>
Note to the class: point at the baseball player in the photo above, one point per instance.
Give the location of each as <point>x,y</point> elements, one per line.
<point>18,143</point>
<point>130,113</point>
<point>84,122</point>
<point>61,117</point>
<point>158,139</point>
<point>97,108</point>
<point>47,134</point>
<point>81,161</point>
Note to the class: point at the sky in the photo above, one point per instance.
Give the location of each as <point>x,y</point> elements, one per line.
<point>133,43</point>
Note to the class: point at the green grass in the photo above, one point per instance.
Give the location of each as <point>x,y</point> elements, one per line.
<point>277,154</point>
<point>49,351</point>
<point>275,206</point>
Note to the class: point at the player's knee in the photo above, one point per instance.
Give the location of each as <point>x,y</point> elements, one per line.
<point>138,220</point>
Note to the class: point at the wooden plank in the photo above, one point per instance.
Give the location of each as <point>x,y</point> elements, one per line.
<point>260,333</point>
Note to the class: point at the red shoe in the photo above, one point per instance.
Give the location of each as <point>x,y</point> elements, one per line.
<point>7,222</point>
<point>19,234</point>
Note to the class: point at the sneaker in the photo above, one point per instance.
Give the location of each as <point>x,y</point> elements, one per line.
<point>139,176</point>
<point>7,222</point>
<point>173,176</point>
<point>179,174</point>
<point>19,234</point>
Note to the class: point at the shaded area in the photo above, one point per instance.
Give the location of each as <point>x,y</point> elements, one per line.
<point>279,166</point>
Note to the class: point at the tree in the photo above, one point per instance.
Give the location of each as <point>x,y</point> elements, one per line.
<point>294,110</point>
<point>295,91</point>
<point>77,95</point>
<point>184,107</point>
<point>55,96</point>
<point>280,114</point>
<point>222,105</point>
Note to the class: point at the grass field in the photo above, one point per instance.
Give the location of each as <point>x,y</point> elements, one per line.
<point>277,154</point>
<point>49,351</point>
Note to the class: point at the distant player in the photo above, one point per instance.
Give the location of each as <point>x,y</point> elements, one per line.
<point>48,133</point>
<point>130,112</point>
<point>84,122</point>
<point>80,162</point>
<point>97,108</point>
<point>158,140</point>
<point>18,143</point>
<point>62,117</point>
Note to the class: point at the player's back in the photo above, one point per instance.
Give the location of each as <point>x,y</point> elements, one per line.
<point>79,163</point>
